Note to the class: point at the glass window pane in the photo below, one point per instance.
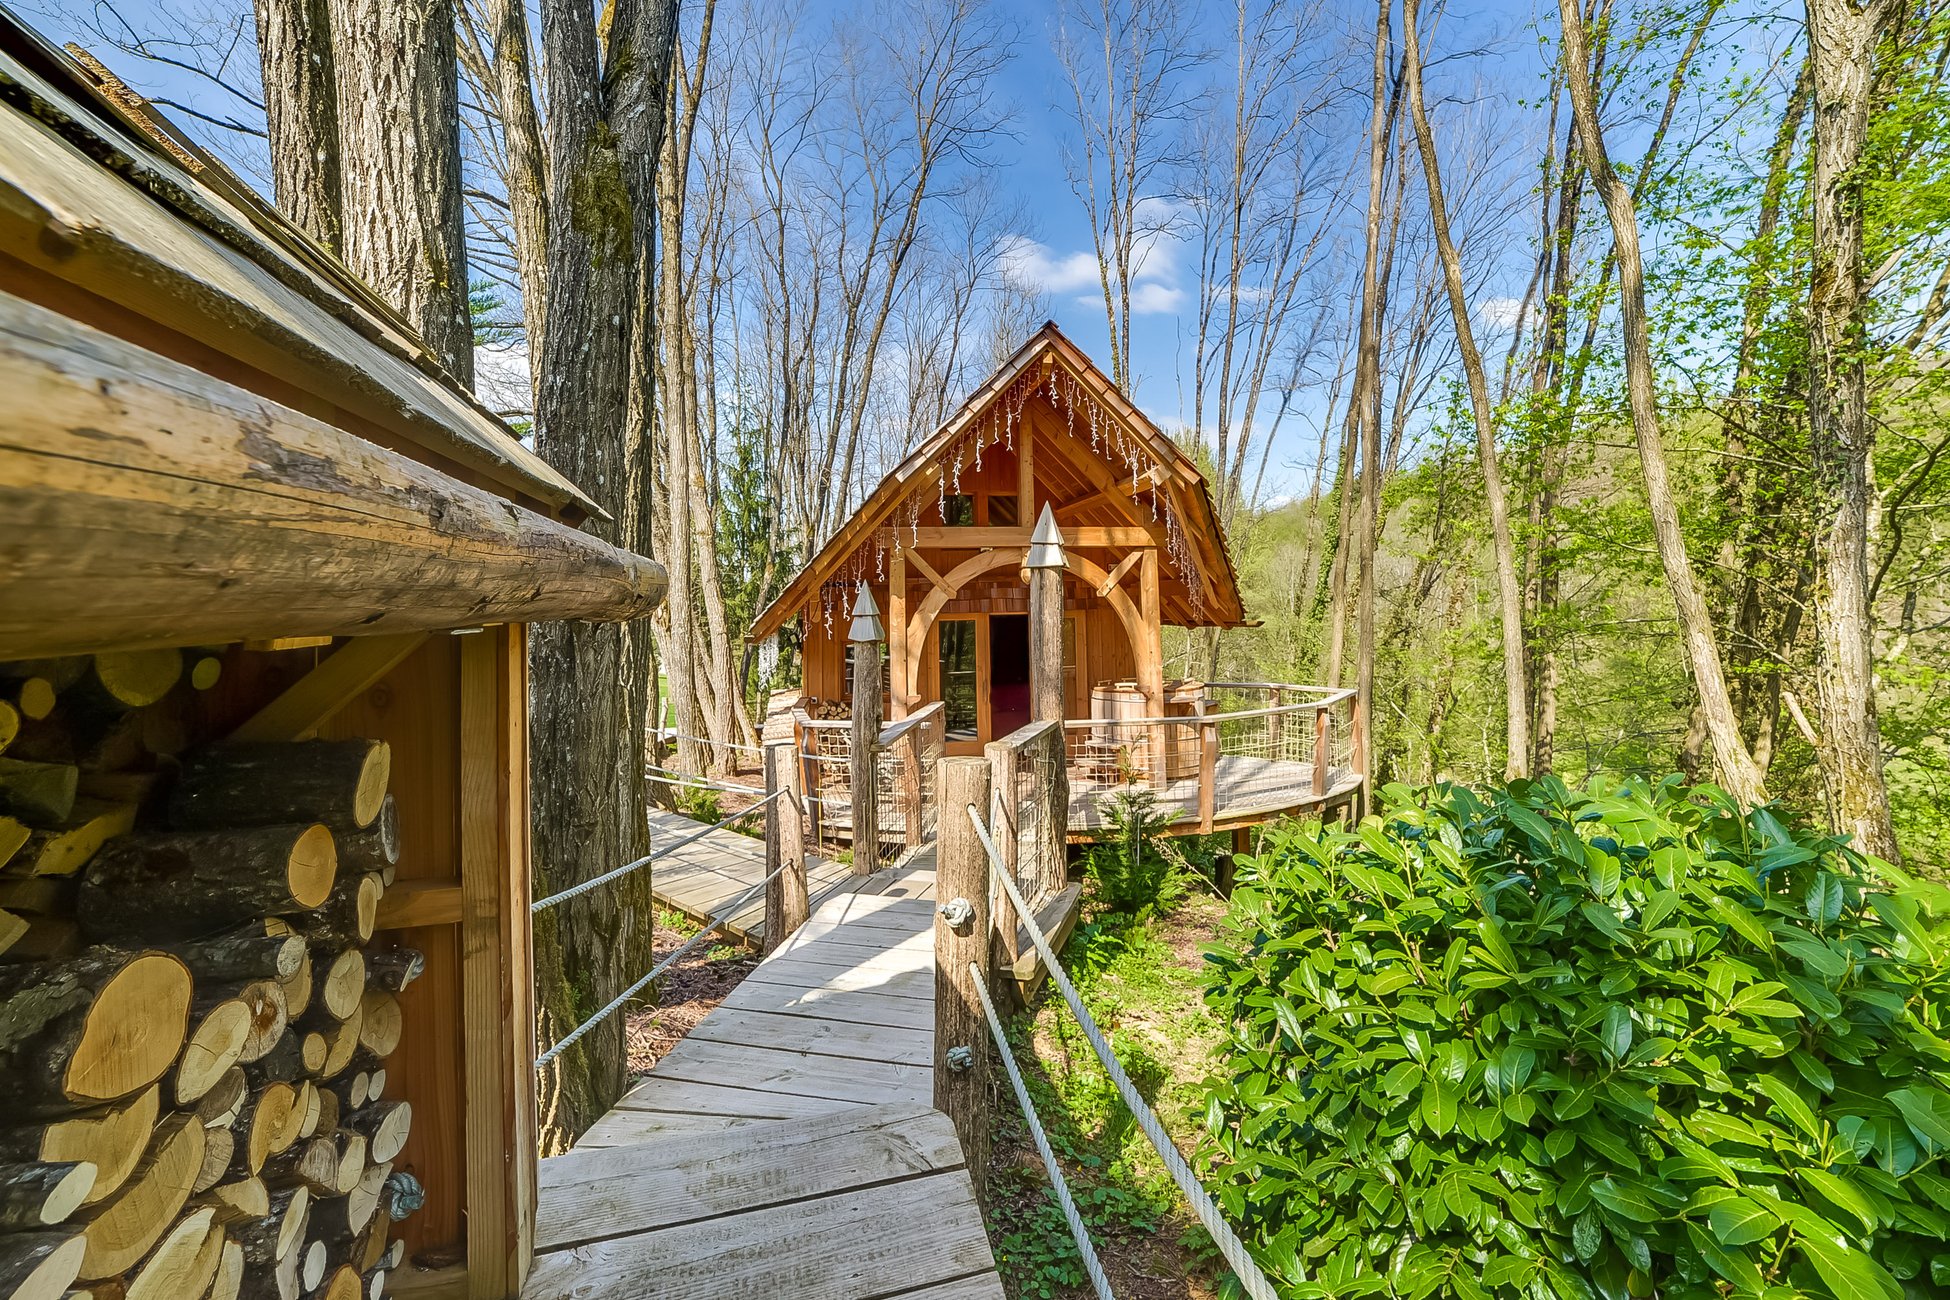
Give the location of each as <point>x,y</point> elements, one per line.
<point>1002,512</point>
<point>958,511</point>
<point>958,677</point>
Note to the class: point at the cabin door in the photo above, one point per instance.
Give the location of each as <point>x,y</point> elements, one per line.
<point>1008,674</point>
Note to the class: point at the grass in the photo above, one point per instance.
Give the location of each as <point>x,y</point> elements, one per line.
<point>1139,975</point>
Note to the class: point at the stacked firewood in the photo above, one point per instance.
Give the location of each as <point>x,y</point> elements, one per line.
<point>194,1023</point>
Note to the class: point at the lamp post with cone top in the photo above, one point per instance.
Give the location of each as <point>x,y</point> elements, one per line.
<point>865,636</point>
<point>1045,567</point>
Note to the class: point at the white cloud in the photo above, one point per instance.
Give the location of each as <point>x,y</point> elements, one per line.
<point>1148,297</point>
<point>1499,313</point>
<point>1156,258</point>
<point>1039,267</point>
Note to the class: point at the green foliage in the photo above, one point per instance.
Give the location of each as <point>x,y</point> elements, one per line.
<point>1622,1042</point>
<point>698,804</point>
<point>1136,875</point>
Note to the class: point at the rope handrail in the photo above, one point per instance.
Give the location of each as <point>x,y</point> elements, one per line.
<point>1091,1264</point>
<point>1243,1265</point>
<point>576,891</point>
<point>730,910</point>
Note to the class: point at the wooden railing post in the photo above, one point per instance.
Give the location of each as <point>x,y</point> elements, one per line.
<point>912,831</point>
<point>1359,736</point>
<point>1275,725</point>
<point>864,637</point>
<point>1323,747</point>
<point>786,899</point>
<point>1208,773</point>
<point>961,1032</point>
<point>1054,796</point>
<point>1005,831</point>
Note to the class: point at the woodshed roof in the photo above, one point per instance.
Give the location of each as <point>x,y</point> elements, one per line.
<point>100,194</point>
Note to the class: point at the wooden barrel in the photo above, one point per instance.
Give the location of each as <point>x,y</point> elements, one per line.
<point>1112,702</point>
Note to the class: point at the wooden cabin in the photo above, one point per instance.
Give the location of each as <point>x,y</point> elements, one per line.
<point>941,544</point>
<point>263,562</point>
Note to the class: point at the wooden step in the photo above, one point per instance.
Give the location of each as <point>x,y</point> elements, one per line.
<point>871,1200</point>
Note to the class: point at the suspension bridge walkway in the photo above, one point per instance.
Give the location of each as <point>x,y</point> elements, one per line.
<point>788,1146</point>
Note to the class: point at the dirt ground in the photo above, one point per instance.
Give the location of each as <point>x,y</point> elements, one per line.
<point>687,993</point>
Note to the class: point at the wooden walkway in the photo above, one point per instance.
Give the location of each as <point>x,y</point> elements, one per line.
<point>788,1146</point>
<point>704,876</point>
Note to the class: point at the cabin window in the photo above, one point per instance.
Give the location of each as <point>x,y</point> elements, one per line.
<point>958,511</point>
<point>846,682</point>
<point>957,653</point>
<point>1003,513</point>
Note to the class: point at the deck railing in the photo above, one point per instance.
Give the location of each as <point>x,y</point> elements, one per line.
<point>1030,811</point>
<point>904,759</point>
<point>1288,734</point>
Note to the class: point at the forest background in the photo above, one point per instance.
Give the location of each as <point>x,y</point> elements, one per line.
<point>1557,506</point>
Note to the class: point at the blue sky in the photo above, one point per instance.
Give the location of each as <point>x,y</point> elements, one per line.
<point>1503,63</point>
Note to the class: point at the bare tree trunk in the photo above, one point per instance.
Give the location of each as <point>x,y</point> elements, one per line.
<point>590,693</point>
<point>1842,38</point>
<point>1516,688</point>
<point>399,158</point>
<point>511,81</point>
<point>301,112</point>
<point>1739,774</point>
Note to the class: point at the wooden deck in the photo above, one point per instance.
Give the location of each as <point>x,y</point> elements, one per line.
<point>788,1146</point>
<point>1246,791</point>
<point>705,875</point>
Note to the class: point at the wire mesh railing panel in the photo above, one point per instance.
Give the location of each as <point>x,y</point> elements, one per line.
<point>905,758</point>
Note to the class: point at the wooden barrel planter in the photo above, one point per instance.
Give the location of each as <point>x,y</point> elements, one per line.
<point>1115,702</point>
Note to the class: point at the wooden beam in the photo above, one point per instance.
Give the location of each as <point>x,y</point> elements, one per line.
<point>951,538</point>
<point>900,691</point>
<point>236,518</point>
<point>1026,472</point>
<point>413,903</point>
<point>497,1020</point>
<point>920,562</point>
<point>346,674</point>
<point>961,1091</point>
<point>1124,566</point>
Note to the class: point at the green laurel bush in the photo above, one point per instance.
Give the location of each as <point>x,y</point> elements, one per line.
<point>1553,1043</point>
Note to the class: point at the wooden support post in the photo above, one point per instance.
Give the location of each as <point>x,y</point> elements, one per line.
<point>961,1032</point>
<point>1025,472</point>
<point>1045,565</point>
<point>1003,829</point>
<point>913,833</point>
<point>497,977</point>
<point>1323,748</point>
<point>786,899</point>
<point>1208,774</point>
<point>811,805</point>
<point>900,691</point>
<point>1151,663</point>
<point>1275,726</point>
<point>864,637</point>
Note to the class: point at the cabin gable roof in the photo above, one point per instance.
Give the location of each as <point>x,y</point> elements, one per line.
<point>1170,493</point>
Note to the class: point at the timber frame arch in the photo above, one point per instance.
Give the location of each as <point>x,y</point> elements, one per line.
<point>1012,557</point>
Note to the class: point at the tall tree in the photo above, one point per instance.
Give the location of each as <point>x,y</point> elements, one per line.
<point>301,111</point>
<point>1843,36</point>
<point>1516,689</point>
<point>1738,772</point>
<point>1126,61</point>
<point>399,166</point>
<point>590,694</point>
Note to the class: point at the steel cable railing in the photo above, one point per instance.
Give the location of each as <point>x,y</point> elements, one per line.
<point>1092,1266</point>
<point>576,891</point>
<point>1251,1278</point>
<point>729,910</point>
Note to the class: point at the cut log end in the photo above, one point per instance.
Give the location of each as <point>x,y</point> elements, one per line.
<point>136,678</point>
<point>369,796</point>
<point>34,1197</point>
<point>132,1032</point>
<point>312,867</point>
<point>39,1265</point>
<point>215,1045</point>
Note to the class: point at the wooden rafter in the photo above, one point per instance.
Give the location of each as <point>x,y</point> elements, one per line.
<point>345,675</point>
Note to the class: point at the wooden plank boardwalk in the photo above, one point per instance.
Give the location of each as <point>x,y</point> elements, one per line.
<point>705,875</point>
<point>788,1146</point>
